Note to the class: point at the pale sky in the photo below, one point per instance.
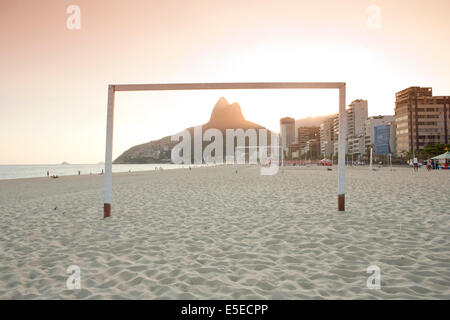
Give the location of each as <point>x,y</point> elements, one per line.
<point>53,80</point>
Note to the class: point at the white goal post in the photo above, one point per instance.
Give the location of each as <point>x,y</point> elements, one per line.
<point>225,86</point>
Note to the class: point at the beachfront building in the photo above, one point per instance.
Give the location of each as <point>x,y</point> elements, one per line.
<point>294,150</point>
<point>326,133</point>
<point>357,114</point>
<point>307,133</point>
<point>421,119</point>
<point>287,132</point>
<point>336,136</point>
<point>375,121</point>
<point>393,137</point>
<point>382,134</point>
<point>311,150</point>
<point>370,125</point>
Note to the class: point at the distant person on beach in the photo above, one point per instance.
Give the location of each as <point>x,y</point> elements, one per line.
<point>416,164</point>
<point>48,173</point>
<point>79,172</point>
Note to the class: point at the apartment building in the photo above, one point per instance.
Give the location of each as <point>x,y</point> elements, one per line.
<point>327,135</point>
<point>357,114</point>
<point>421,119</point>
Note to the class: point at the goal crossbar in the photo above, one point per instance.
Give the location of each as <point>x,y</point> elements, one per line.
<point>341,86</point>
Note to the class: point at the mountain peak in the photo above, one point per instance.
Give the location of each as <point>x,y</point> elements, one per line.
<point>222,102</point>
<point>228,116</point>
<point>224,112</point>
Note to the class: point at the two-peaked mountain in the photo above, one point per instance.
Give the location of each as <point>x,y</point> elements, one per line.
<point>224,116</point>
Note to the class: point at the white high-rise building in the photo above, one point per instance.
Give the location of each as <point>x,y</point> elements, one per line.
<point>327,136</point>
<point>336,135</point>
<point>357,114</point>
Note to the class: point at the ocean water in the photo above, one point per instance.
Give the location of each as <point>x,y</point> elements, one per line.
<point>40,170</point>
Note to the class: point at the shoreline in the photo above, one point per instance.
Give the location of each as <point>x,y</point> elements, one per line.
<point>92,173</point>
<point>348,167</point>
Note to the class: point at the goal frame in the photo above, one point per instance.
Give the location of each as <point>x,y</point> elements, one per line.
<point>112,89</point>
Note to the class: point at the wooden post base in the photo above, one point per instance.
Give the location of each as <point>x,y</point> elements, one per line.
<point>106,210</point>
<point>341,202</point>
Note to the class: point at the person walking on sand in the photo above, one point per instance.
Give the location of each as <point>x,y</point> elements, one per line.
<point>416,164</point>
<point>48,173</point>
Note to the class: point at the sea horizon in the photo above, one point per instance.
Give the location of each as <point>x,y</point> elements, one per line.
<point>23,171</point>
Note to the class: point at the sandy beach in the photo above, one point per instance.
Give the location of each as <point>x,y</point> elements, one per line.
<point>209,233</point>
